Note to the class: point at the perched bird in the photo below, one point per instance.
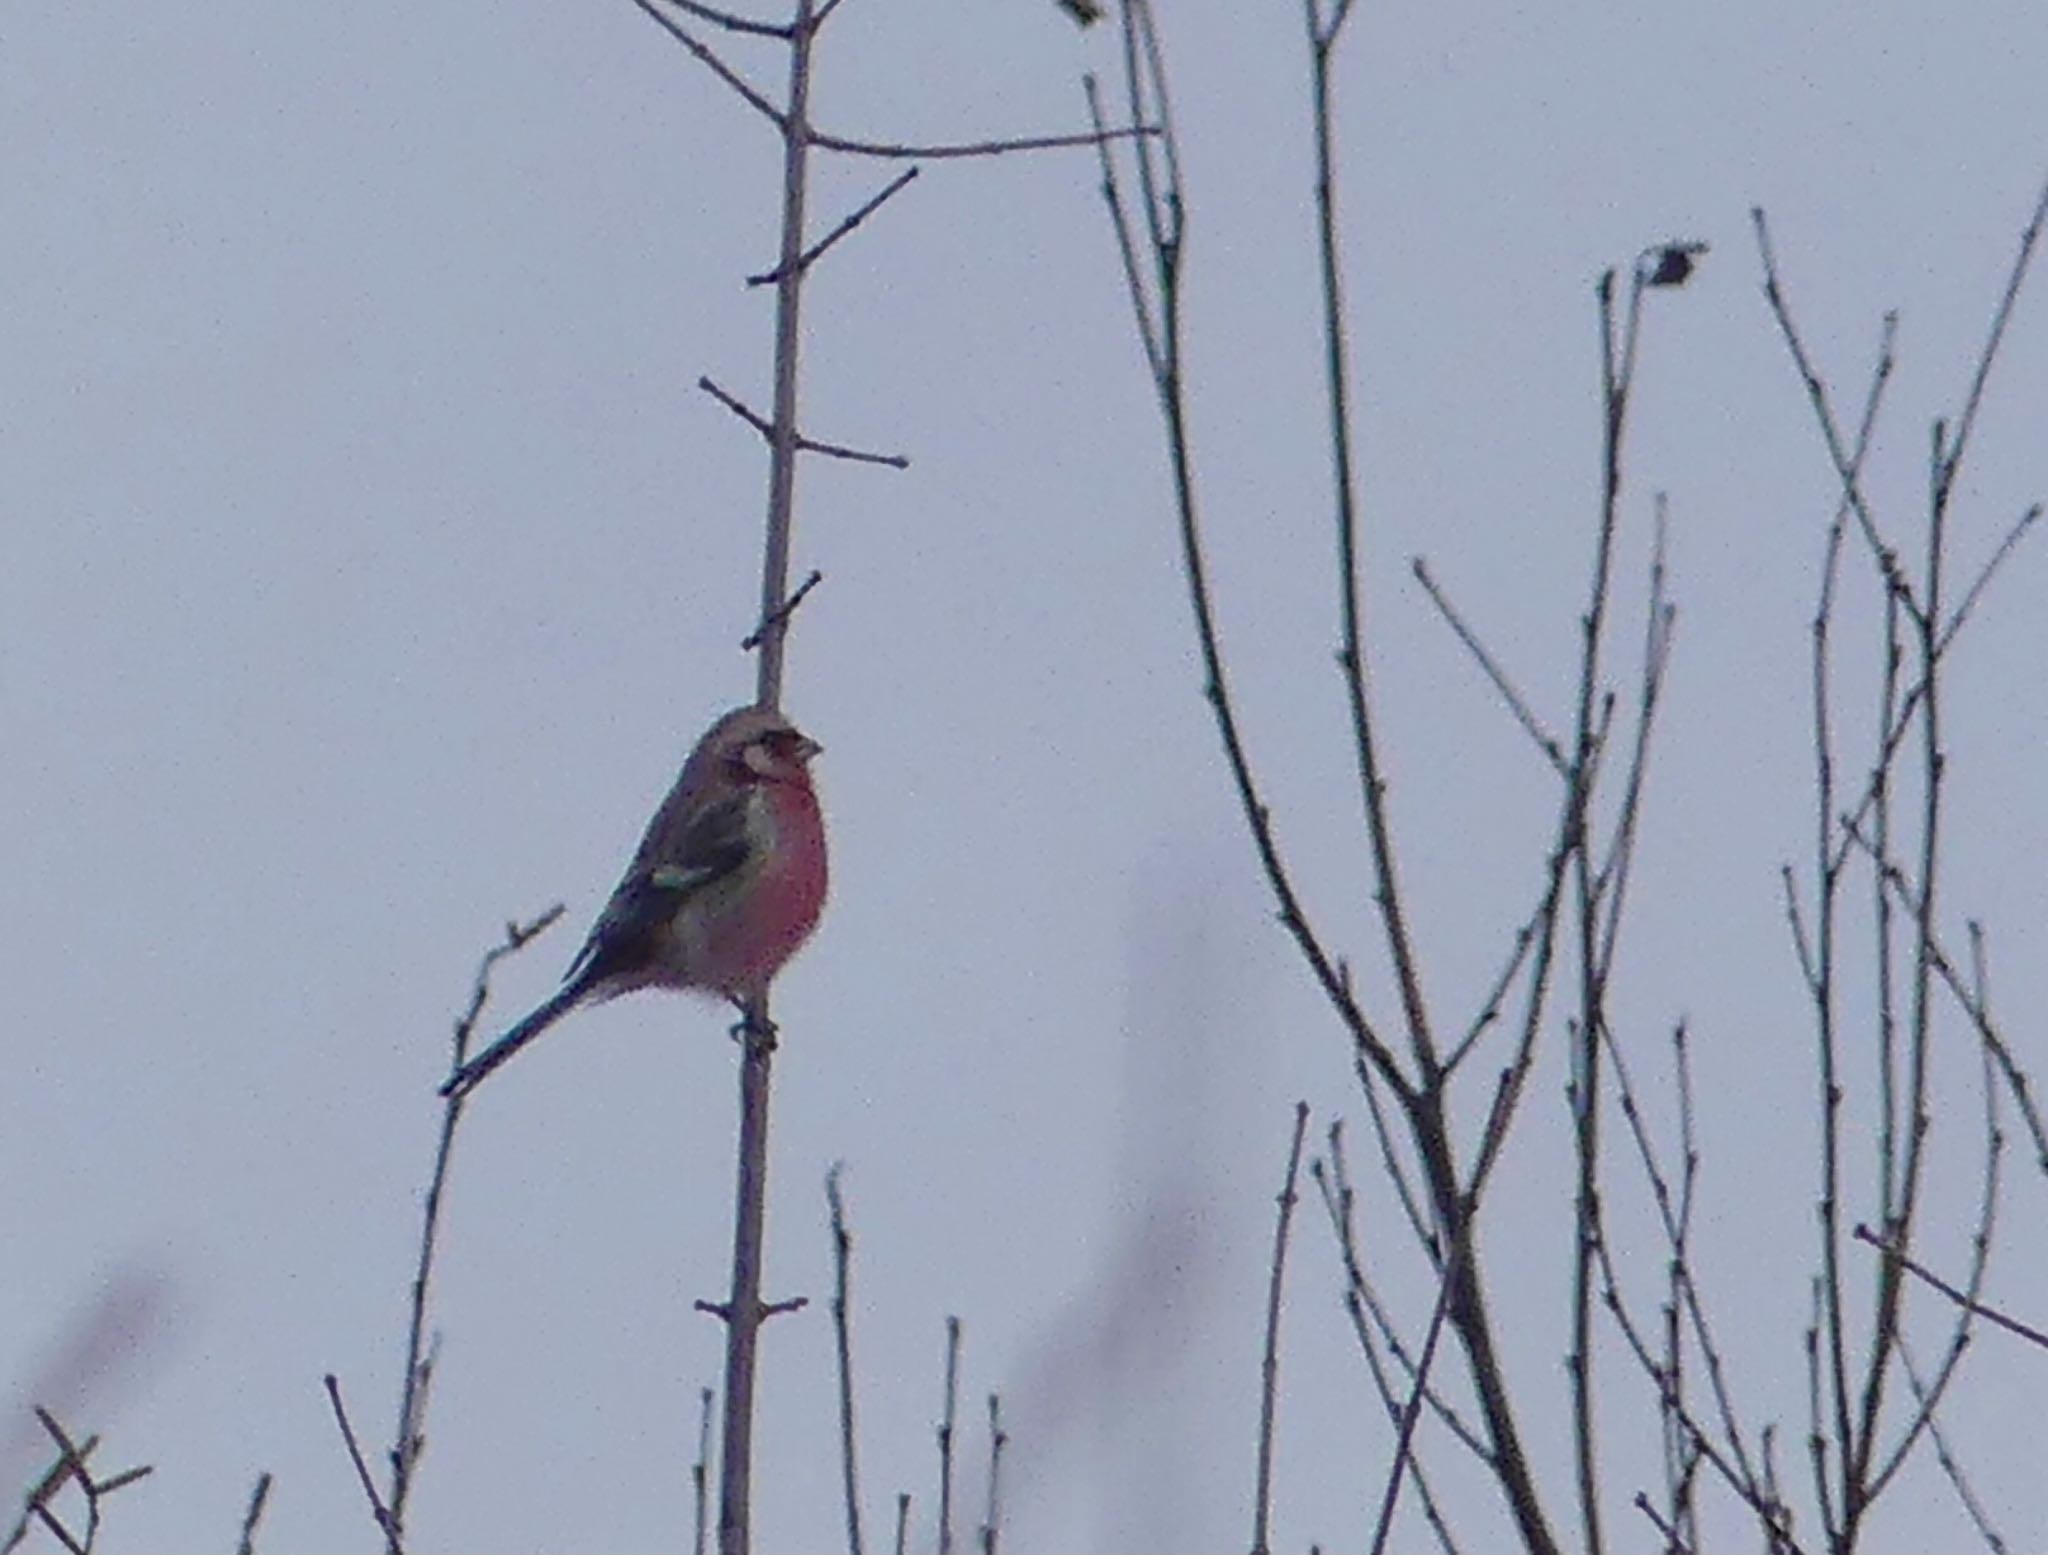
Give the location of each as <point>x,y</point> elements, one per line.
<point>727,883</point>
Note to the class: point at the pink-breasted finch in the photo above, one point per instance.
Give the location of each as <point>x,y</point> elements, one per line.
<point>725,886</point>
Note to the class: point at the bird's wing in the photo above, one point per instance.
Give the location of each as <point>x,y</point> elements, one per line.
<point>712,842</point>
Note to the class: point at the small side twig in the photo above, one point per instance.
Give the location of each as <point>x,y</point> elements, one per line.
<point>258,1499</point>
<point>731,21</point>
<point>782,612</point>
<point>1928,1277</point>
<point>902,1544</point>
<point>409,1440</point>
<point>811,255</point>
<point>1517,703</point>
<point>802,444</point>
<point>998,1439</point>
<point>946,1436</point>
<point>947,150</point>
<point>1269,1371</point>
<point>842,1333</point>
<point>700,1471</point>
<point>393,1540</point>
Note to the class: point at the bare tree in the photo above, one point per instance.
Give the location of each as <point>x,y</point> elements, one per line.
<point>1886,832</point>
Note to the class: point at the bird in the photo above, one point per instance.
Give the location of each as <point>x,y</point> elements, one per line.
<point>726,885</point>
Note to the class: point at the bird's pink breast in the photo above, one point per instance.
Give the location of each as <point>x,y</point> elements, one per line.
<point>746,945</point>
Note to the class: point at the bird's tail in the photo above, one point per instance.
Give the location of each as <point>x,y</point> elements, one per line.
<point>471,1074</point>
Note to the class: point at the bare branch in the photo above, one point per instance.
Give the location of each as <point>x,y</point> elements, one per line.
<point>2006,546</point>
<point>811,255</point>
<point>749,94</point>
<point>811,445</point>
<point>1333,1180</point>
<point>1351,656</point>
<point>258,1499</point>
<point>783,611</point>
<point>394,1543</point>
<point>1517,703</point>
<point>700,1471</point>
<point>1453,1272</point>
<point>738,407</point>
<point>842,1333</point>
<point>409,1433</point>
<point>1269,1371</point>
<point>1951,460</point>
<point>1489,1012</point>
<point>729,20</point>
<point>946,1436</point>
<point>1846,469</point>
<point>1926,1276</point>
<point>936,151</point>
<point>998,1439</point>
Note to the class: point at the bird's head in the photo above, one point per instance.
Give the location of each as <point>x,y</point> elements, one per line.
<point>755,744</point>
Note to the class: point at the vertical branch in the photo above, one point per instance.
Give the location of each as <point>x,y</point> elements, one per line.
<point>1269,1375</point>
<point>1322,40</point>
<point>1617,368</point>
<point>946,1436</point>
<point>700,1473</point>
<point>998,1439</point>
<point>842,1331</point>
<point>1887,1006</point>
<point>1885,1337</point>
<point>744,1312</point>
<point>259,1497</point>
<point>409,1438</point>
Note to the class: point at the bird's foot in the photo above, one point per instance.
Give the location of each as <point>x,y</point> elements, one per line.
<point>753,1030</point>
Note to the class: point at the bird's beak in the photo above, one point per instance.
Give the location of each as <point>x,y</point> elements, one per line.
<point>807,748</point>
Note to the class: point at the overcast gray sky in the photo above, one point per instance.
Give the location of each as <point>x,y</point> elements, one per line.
<point>371,561</point>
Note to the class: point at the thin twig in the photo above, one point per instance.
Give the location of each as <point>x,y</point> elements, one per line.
<point>1951,460</point>
<point>998,1439</point>
<point>1361,1300</point>
<point>706,56</point>
<point>942,150</point>
<point>731,21</point>
<point>1454,1272</point>
<point>1269,1370</point>
<point>1919,1271</point>
<point>1509,693</point>
<point>1951,1466</point>
<point>409,1435</point>
<point>700,1472</point>
<point>946,1435</point>
<point>782,612</point>
<point>1159,324</point>
<point>258,1499</point>
<point>811,255</point>
<point>902,1544</point>
<point>842,1334</point>
<point>1489,1012</point>
<point>812,445</point>
<point>1673,1543</point>
<point>738,407</point>
<point>393,1540</point>
<point>1846,469</point>
<point>1352,656</point>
